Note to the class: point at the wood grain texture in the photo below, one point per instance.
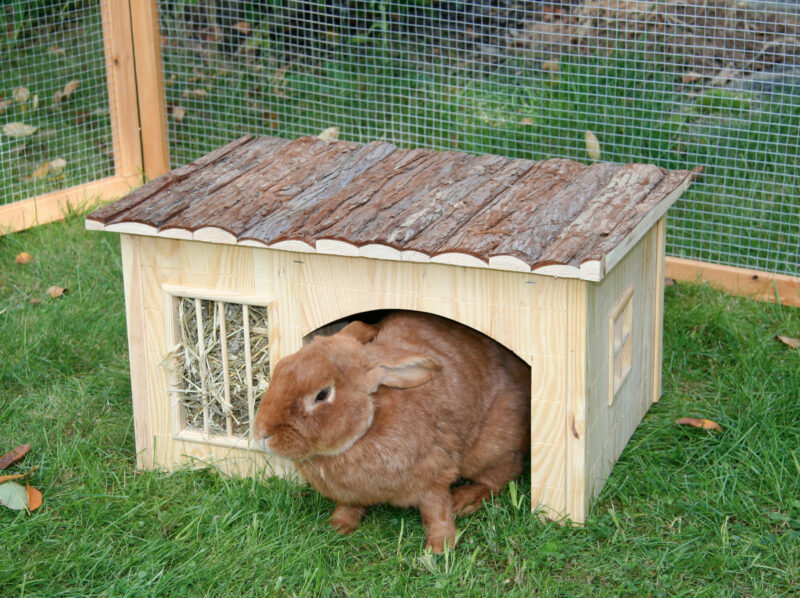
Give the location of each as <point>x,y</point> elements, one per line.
<point>42,209</point>
<point>121,83</point>
<point>577,503</point>
<point>609,426</point>
<point>137,349</point>
<point>658,310</point>
<point>552,216</point>
<point>745,282</point>
<point>150,87</point>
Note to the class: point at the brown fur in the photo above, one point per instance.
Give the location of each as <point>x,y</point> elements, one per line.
<point>418,402</point>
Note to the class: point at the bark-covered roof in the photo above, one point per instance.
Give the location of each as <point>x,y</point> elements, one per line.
<point>554,217</point>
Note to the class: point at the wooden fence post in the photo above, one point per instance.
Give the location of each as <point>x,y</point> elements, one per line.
<point>150,86</point>
<point>121,77</point>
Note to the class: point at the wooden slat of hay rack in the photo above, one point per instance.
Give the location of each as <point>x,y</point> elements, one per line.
<point>122,25</point>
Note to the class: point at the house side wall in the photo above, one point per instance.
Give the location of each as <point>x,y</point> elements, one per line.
<point>525,312</point>
<point>575,399</point>
<point>609,427</point>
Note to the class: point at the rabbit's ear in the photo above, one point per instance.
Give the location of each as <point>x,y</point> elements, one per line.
<point>363,333</point>
<point>400,369</point>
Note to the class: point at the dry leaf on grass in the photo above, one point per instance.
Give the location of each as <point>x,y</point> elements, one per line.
<point>18,497</point>
<point>23,258</point>
<point>21,94</point>
<point>70,87</point>
<point>56,292</point>
<point>52,168</point>
<point>64,94</point>
<point>794,343</point>
<point>5,105</point>
<point>13,496</point>
<point>706,424</point>
<point>592,146</point>
<point>34,498</point>
<point>329,134</point>
<point>242,27</point>
<point>14,455</point>
<point>178,113</point>
<point>19,130</point>
<point>197,93</point>
<point>17,476</point>
<point>550,66</point>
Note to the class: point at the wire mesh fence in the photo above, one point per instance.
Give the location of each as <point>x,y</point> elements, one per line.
<point>679,83</point>
<point>54,109</point>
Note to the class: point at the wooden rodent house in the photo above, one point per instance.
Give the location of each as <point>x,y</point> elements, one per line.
<point>231,261</point>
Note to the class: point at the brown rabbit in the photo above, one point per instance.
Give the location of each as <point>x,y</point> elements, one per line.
<point>397,412</point>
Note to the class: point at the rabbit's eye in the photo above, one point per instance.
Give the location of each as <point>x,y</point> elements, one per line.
<point>322,395</point>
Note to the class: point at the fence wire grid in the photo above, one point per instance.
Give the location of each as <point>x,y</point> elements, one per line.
<point>678,83</point>
<point>54,115</point>
<point>681,83</point>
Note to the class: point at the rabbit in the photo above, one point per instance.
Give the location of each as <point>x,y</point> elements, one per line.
<point>397,412</point>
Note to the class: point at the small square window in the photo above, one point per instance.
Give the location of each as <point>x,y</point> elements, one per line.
<point>620,352</point>
<point>220,364</point>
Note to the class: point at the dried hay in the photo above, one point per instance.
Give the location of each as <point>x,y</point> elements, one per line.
<point>198,367</point>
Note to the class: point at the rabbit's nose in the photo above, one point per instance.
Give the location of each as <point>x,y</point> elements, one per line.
<point>264,442</point>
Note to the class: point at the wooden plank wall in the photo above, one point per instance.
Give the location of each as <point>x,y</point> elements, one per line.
<point>609,427</point>
<point>526,312</point>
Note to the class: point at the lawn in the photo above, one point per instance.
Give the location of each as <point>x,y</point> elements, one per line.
<point>685,511</point>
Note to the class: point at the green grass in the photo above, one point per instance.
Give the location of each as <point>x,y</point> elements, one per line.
<point>685,512</point>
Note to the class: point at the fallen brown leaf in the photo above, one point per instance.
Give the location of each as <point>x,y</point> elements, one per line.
<point>55,291</point>
<point>668,282</point>
<point>526,121</point>
<point>197,93</point>
<point>706,424</point>
<point>14,455</point>
<point>329,134</point>
<point>794,343</point>
<point>592,146</point>
<point>178,113</point>
<point>19,129</point>
<point>23,258</point>
<point>64,94</point>
<point>35,301</point>
<point>70,87</point>
<point>242,27</point>
<point>21,94</point>
<point>16,476</point>
<point>691,77</point>
<point>41,172</point>
<point>551,66</point>
<point>34,498</point>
